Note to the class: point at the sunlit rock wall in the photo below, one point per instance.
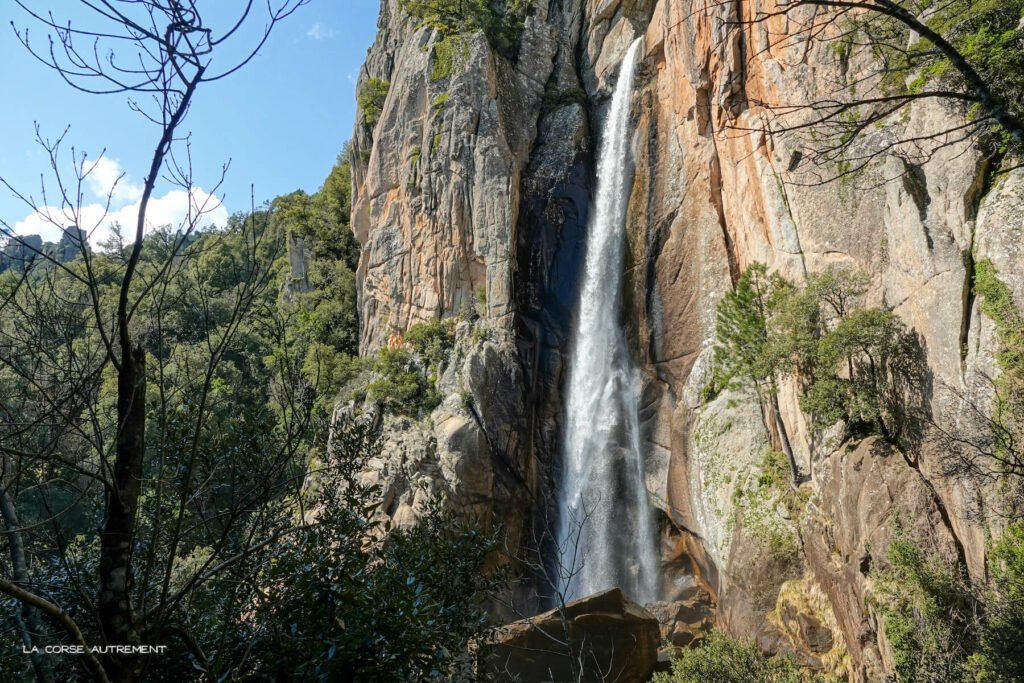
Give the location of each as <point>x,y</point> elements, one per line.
<point>481,179</point>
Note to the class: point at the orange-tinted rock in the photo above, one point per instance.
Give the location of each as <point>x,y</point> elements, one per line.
<point>492,190</point>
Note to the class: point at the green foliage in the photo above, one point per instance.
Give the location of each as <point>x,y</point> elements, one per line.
<point>722,659</point>
<point>710,391</point>
<point>450,53</point>
<point>402,388</point>
<point>987,33</point>
<point>852,364</point>
<point>351,598</point>
<point>744,355</point>
<point>928,610</point>
<point>501,22</point>
<point>774,470</point>
<point>1001,658</point>
<point>433,341</point>
<point>324,315</point>
<point>997,303</point>
<point>940,626</point>
<point>371,99</point>
<point>874,348</point>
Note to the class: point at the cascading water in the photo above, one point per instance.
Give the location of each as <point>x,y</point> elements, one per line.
<point>605,535</point>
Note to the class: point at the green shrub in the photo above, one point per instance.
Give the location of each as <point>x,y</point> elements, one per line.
<point>432,341</point>
<point>940,626</point>
<point>402,388</point>
<point>721,659</point>
<point>371,100</point>
<point>1001,657</point>
<point>710,391</point>
<point>502,23</point>
<point>450,53</point>
<point>997,303</point>
<point>774,470</point>
<point>854,364</point>
<point>350,598</point>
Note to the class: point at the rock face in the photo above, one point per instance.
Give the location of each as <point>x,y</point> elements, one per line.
<point>603,637</point>
<point>475,183</point>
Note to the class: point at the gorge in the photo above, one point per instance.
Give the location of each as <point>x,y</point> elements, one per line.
<point>478,181</point>
<point>652,341</point>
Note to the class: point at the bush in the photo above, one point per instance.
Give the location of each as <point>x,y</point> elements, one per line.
<point>352,599</point>
<point>432,341</point>
<point>942,628</point>
<point>402,388</point>
<point>371,100</point>
<point>1002,657</point>
<point>450,53</point>
<point>853,364</point>
<point>722,659</point>
<point>997,303</point>
<point>503,27</point>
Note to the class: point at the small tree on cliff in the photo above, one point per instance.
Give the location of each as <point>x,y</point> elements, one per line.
<point>745,356</point>
<point>852,364</point>
<point>966,54</point>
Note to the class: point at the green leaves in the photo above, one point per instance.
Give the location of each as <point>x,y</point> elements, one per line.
<point>371,100</point>
<point>722,659</point>
<point>743,354</point>
<point>349,601</point>
<point>403,387</point>
<point>987,34</point>
<point>502,23</point>
<point>850,363</point>
<point>943,628</point>
<point>433,341</point>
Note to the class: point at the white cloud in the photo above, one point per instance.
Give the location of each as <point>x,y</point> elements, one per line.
<point>105,177</point>
<point>321,31</point>
<point>175,208</point>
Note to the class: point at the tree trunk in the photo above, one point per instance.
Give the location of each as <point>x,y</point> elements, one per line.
<point>30,622</point>
<point>780,427</point>
<point>118,621</point>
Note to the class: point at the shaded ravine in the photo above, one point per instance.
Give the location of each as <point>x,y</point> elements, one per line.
<point>606,538</point>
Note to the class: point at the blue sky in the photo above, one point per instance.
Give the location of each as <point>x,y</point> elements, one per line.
<point>281,121</point>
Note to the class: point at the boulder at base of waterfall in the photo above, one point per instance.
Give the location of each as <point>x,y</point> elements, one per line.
<point>604,637</point>
<point>686,622</point>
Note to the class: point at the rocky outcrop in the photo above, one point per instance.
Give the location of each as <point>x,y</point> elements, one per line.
<point>476,181</point>
<point>465,451</point>
<point>599,638</point>
<point>684,623</point>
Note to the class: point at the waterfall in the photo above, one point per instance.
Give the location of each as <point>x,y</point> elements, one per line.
<point>605,535</point>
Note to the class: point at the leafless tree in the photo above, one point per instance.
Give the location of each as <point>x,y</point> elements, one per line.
<point>551,566</point>
<point>978,439</point>
<point>159,53</point>
<point>889,55</point>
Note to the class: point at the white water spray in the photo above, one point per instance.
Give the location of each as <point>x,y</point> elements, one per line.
<point>606,536</point>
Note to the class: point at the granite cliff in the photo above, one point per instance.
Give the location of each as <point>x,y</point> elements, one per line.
<point>471,195</point>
